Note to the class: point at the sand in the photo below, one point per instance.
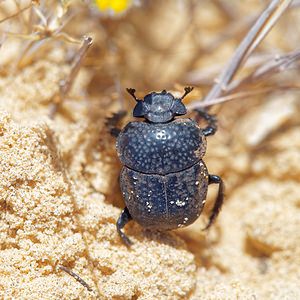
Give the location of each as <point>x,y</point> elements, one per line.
<point>60,195</point>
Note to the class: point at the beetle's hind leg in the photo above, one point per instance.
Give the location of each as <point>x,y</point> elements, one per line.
<point>124,218</point>
<point>219,201</point>
<point>210,119</point>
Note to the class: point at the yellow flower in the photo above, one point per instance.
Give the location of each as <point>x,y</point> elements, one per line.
<point>116,5</point>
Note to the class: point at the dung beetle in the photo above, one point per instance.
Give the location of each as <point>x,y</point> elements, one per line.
<point>164,180</point>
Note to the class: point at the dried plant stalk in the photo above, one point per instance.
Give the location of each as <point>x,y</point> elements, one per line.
<point>76,277</point>
<point>66,84</point>
<point>49,27</point>
<point>255,35</point>
<point>19,11</point>
<point>265,71</point>
<point>241,95</point>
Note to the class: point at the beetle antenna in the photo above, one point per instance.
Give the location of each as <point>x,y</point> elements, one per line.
<point>131,92</point>
<point>187,91</point>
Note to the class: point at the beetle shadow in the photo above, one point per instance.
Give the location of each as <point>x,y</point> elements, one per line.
<point>201,246</point>
<point>139,234</point>
<point>168,238</point>
<point>198,244</point>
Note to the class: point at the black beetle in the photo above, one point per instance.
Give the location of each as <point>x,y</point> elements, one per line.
<point>164,181</point>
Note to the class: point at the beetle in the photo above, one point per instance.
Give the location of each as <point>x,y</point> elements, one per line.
<point>164,180</point>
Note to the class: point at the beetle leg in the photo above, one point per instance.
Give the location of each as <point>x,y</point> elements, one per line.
<point>212,122</point>
<point>115,132</point>
<point>219,201</point>
<point>124,218</point>
<point>112,122</point>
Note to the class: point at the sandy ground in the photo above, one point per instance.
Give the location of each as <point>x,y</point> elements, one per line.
<point>60,195</point>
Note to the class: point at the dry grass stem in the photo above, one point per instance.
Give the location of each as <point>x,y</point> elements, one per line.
<point>76,277</point>
<point>243,95</point>
<point>66,84</point>
<point>21,10</point>
<point>49,28</point>
<point>264,71</point>
<point>267,70</point>
<point>255,35</point>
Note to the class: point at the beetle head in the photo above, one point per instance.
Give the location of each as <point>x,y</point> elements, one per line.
<point>159,107</point>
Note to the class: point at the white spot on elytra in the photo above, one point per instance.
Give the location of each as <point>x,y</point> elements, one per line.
<point>180,203</point>
<point>149,205</point>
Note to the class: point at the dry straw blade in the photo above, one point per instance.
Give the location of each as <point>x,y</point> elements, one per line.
<point>253,38</point>
<point>264,71</point>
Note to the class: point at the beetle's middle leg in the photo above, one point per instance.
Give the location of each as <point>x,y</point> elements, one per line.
<point>124,218</point>
<point>210,119</point>
<point>219,201</point>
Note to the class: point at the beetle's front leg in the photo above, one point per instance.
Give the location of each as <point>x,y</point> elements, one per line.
<point>210,119</point>
<point>112,122</point>
<point>219,201</point>
<point>124,218</point>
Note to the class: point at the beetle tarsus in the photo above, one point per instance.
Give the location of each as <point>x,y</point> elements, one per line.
<point>210,119</point>
<point>124,218</point>
<point>209,131</point>
<point>112,122</point>
<point>219,201</point>
<point>115,132</point>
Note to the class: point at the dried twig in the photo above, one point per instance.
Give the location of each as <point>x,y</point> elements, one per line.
<point>119,91</point>
<point>3,37</point>
<point>204,75</point>
<point>49,27</point>
<point>19,11</point>
<point>35,38</point>
<point>266,70</point>
<point>66,84</point>
<point>241,95</point>
<point>255,35</point>
<point>76,277</point>
<point>295,3</point>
